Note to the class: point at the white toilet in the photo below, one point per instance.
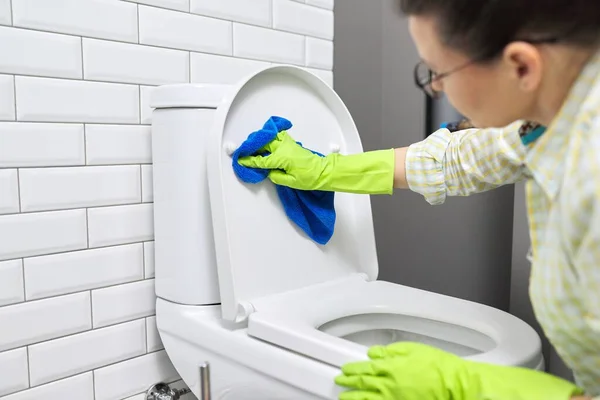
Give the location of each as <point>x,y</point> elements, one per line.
<point>241,288</point>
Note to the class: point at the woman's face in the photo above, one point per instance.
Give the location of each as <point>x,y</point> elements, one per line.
<point>494,94</point>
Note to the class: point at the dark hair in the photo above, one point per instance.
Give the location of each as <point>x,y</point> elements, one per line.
<point>482,28</point>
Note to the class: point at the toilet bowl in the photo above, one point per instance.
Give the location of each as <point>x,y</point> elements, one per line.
<point>241,288</point>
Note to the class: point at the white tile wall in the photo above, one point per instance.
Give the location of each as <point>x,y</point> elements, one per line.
<point>11,282</point>
<point>27,52</point>
<point>80,387</point>
<point>45,189</point>
<point>257,12</point>
<point>5,14</point>
<point>59,100</point>
<point>77,298</point>
<point>40,145</point>
<point>13,370</point>
<point>7,98</point>
<point>9,191</point>
<point>132,63</point>
<point>118,144</point>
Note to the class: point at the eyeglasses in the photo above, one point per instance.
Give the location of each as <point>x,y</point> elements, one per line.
<point>424,76</point>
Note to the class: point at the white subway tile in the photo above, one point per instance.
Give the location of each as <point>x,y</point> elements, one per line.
<point>319,53</point>
<point>153,338</point>
<point>74,354</point>
<point>9,191</point>
<point>184,31</point>
<point>59,100</point>
<point>77,187</point>
<point>24,144</point>
<point>147,184</point>
<point>25,235</point>
<point>149,260</point>
<point>7,98</point>
<point>40,320</point>
<point>267,44</point>
<point>257,12</point>
<point>11,282</point>
<point>13,371</point>
<point>83,270</point>
<point>103,19</point>
<point>118,144</point>
<point>121,303</point>
<point>121,224</point>
<point>132,63</point>
<point>133,376</point>
<point>327,4</point>
<point>180,5</point>
<point>80,387</point>
<point>303,19</point>
<point>210,68</point>
<point>327,76</point>
<point>27,52</point>
<point>146,110</point>
<point>5,12</point>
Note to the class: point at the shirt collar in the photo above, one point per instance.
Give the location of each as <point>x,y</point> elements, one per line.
<point>546,157</point>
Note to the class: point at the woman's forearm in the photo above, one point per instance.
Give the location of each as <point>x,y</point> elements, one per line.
<point>399,168</point>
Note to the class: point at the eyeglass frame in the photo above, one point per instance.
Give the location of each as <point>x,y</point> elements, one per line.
<point>436,94</point>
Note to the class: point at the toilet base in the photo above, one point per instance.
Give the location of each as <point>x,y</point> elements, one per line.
<point>228,380</point>
<point>241,367</point>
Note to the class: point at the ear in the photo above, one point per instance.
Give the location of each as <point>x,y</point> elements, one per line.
<point>524,64</point>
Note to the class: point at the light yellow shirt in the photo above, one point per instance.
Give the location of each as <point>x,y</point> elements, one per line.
<point>562,173</point>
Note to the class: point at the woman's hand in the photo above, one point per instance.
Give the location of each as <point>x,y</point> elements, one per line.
<point>294,166</point>
<point>413,371</point>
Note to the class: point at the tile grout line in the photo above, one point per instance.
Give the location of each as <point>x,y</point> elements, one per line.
<point>84,145</point>
<point>91,310</point>
<point>82,68</point>
<point>139,104</point>
<point>87,227</point>
<point>93,372</point>
<point>24,284</point>
<point>19,191</point>
<point>141,184</point>
<point>138,22</point>
<point>28,367</point>
<point>14,79</point>
<point>146,334</point>
<point>144,260</point>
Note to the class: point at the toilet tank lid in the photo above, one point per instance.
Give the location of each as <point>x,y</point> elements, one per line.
<point>188,95</point>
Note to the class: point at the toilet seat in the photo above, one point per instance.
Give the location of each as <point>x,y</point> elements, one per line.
<point>304,297</point>
<point>306,322</point>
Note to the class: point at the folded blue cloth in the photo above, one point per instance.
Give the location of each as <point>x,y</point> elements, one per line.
<point>312,211</point>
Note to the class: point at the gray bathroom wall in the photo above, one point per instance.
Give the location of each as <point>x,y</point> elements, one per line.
<point>464,248</point>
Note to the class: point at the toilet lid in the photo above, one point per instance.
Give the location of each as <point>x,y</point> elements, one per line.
<point>259,251</point>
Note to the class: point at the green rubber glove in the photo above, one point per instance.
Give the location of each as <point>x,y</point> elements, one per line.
<point>414,371</point>
<point>293,166</point>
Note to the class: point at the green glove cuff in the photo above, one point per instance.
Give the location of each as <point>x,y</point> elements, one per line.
<point>371,172</point>
<point>515,383</point>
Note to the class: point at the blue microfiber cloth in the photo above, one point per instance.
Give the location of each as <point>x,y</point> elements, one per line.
<point>312,211</point>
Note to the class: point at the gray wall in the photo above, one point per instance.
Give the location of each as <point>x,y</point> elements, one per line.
<point>463,248</point>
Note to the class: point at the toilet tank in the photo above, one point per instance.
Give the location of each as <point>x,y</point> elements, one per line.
<point>185,265</point>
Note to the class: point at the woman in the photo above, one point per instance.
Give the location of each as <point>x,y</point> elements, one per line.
<point>527,74</point>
